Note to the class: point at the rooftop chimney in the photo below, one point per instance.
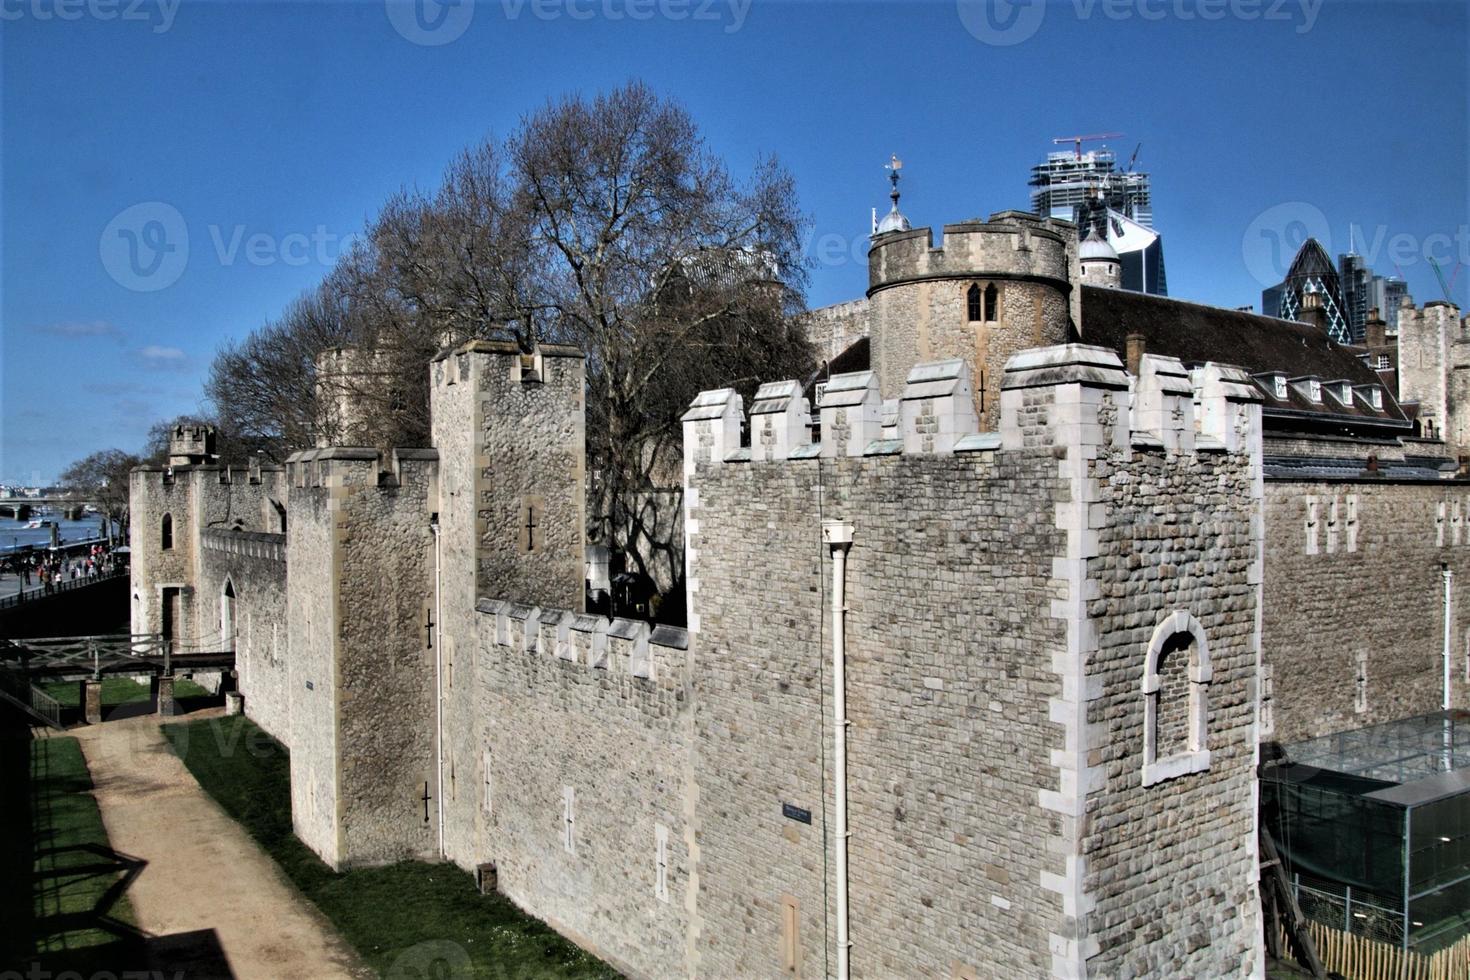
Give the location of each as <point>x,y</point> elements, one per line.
<point>1376,330</point>
<point>1312,312</point>
<point>1136,347</point>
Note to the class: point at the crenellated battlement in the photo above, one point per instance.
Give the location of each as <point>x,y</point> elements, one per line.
<point>617,646</point>
<point>342,466</point>
<point>1051,396</point>
<point>1011,245</point>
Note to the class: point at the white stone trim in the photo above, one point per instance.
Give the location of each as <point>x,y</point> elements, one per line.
<point>1197,757</point>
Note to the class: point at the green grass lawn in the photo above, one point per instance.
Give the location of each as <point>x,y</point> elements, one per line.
<point>118,690</point>
<point>63,904</point>
<point>384,913</point>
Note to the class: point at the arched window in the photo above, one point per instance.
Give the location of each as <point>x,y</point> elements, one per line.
<point>227,616</point>
<point>973,311</point>
<point>1176,677</point>
<point>167,536</point>
<point>992,303</point>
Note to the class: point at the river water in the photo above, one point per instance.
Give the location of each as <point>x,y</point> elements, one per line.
<point>15,535</point>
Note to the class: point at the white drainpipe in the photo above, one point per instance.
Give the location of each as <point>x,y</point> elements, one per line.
<point>838,535</point>
<point>438,686</point>
<point>1449,747</point>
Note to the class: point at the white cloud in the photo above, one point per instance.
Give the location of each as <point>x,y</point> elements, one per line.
<point>81,328</point>
<point>162,355</point>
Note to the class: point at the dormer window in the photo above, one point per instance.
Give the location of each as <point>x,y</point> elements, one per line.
<point>1374,395</point>
<point>1314,390</point>
<point>1279,384</point>
<point>1345,393</point>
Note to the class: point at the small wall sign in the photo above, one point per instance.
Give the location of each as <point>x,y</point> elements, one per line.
<point>796,813</point>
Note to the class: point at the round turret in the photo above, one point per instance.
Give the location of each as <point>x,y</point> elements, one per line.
<point>992,288</point>
<point>1099,261</point>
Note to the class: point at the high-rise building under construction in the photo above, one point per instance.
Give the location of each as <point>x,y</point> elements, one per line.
<point>1090,189</point>
<point>1070,183</point>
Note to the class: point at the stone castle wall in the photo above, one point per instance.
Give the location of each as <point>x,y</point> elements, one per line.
<point>362,548</point>
<point>197,499</point>
<point>948,634</point>
<point>1354,585</point>
<point>254,565</point>
<point>989,636</point>
<point>833,329</point>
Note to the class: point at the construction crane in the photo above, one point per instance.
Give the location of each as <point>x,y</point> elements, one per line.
<point>1077,141</point>
<point>1444,287</point>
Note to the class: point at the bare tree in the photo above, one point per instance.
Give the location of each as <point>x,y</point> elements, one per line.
<point>102,478</point>
<point>605,223</point>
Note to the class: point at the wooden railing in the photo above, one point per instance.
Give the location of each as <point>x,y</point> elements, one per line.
<point>1360,958</point>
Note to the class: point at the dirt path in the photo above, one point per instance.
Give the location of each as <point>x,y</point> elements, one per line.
<point>203,871</point>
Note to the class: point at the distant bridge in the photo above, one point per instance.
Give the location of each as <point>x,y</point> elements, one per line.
<point>22,508</point>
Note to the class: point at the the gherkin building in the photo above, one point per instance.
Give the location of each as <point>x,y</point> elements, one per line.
<point>1312,271</point>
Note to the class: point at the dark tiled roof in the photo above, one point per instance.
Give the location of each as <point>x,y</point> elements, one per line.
<point>1262,345</point>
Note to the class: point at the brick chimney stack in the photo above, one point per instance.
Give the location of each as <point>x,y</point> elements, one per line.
<point>1136,347</point>
<point>1312,311</point>
<point>1375,330</point>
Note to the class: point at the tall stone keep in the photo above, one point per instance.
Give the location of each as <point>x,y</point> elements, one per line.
<point>989,290</point>
<point>1434,370</point>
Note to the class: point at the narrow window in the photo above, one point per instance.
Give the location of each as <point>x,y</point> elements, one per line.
<point>488,784</point>
<point>1352,522</point>
<point>1268,700</point>
<point>1360,683</point>
<point>973,310</point>
<point>992,303</point>
<point>168,531</point>
<point>1311,525</point>
<point>1439,525</point>
<point>790,938</point>
<point>569,819</point>
<point>1332,526</point>
<point>661,862</point>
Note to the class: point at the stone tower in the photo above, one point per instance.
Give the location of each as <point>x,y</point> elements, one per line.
<point>1099,261</point>
<point>991,289</point>
<point>1434,370</point>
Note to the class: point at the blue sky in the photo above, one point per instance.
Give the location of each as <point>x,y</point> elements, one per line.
<point>267,133</point>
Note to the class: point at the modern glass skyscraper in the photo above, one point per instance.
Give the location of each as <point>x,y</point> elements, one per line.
<point>1069,182</point>
<point>1311,271</point>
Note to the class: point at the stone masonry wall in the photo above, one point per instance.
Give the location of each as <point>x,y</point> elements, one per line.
<point>1171,866</point>
<point>359,732</point>
<point>948,628</point>
<point>1352,569</point>
<point>573,716</point>
<point>255,566</point>
<point>312,585</point>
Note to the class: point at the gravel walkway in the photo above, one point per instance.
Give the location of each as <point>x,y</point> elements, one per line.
<point>203,871</point>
